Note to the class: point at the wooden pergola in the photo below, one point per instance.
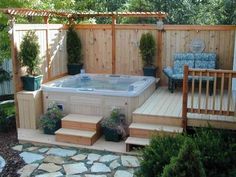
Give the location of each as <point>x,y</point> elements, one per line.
<point>46,14</point>
<point>64,14</point>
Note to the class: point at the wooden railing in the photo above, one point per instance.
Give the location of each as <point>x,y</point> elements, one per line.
<point>210,92</point>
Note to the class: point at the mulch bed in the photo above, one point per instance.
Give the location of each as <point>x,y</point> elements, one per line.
<point>12,158</point>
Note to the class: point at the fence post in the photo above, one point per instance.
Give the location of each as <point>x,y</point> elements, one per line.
<point>185,98</point>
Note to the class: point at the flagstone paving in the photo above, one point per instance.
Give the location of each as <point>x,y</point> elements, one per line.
<point>74,162</point>
<point>2,163</point>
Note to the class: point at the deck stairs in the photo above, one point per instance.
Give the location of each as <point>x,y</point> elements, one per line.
<point>144,125</point>
<point>79,129</point>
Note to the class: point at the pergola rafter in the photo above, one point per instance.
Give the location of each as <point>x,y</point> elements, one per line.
<point>75,15</point>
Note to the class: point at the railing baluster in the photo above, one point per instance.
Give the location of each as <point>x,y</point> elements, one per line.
<point>222,91</point>
<point>207,92</point>
<point>229,92</point>
<point>200,93</point>
<point>214,93</point>
<point>185,98</point>
<point>192,96</point>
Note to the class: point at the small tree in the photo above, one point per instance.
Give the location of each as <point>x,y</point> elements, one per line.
<point>147,48</point>
<point>29,52</point>
<point>187,163</point>
<point>73,44</point>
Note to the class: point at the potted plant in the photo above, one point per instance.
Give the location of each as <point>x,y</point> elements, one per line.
<point>73,47</point>
<point>29,57</point>
<point>147,49</point>
<point>114,127</point>
<point>51,120</point>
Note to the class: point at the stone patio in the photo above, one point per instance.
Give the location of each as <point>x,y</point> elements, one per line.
<point>56,161</point>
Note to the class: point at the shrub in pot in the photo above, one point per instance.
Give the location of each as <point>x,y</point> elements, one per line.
<point>51,120</point>
<point>147,49</point>
<point>114,127</point>
<point>73,47</point>
<point>29,57</point>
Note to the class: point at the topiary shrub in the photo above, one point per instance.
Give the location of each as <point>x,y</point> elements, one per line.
<point>187,163</point>
<point>73,47</point>
<point>147,48</point>
<point>29,52</point>
<point>158,154</point>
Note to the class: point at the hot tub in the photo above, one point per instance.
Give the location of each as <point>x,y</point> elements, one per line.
<point>95,94</point>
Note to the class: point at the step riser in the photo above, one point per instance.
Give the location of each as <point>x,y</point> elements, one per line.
<point>137,118</point>
<point>80,126</point>
<point>76,139</point>
<point>141,133</point>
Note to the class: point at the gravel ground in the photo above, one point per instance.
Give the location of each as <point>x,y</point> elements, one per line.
<point>12,158</point>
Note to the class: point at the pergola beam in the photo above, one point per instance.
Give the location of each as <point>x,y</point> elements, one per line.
<point>64,14</point>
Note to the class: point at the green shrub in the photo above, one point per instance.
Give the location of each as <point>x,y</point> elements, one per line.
<point>186,164</point>
<point>73,47</point>
<point>218,150</point>
<point>29,52</point>
<point>158,154</point>
<point>147,48</point>
<point>7,117</point>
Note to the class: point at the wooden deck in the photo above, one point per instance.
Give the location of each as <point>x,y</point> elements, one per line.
<point>168,106</point>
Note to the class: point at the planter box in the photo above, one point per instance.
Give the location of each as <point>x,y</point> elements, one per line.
<point>149,71</point>
<point>31,83</point>
<point>49,131</point>
<point>111,134</point>
<point>74,68</point>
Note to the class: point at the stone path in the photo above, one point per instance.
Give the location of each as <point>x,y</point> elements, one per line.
<point>56,161</point>
<point>2,163</point>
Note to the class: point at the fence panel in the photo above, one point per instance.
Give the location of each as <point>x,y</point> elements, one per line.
<point>6,88</point>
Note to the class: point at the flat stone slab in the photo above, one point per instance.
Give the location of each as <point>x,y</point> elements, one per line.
<point>90,175</point>
<point>43,150</point>
<point>18,147</point>
<point>54,159</point>
<point>122,173</point>
<point>55,174</point>
<point>93,157</point>
<point>130,161</point>
<point>115,164</point>
<point>100,168</point>
<point>33,148</point>
<point>79,157</point>
<point>61,152</point>
<point>75,168</point>
<point>2,163</point>
<point>108,158</point>
<point>27,170</point>
<point>49,167</point>
<point>30,157</point>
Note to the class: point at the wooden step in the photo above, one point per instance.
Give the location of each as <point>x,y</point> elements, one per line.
<point>76,136</point>
<point>155,119</point>
<point>144,130</point>
<point>135,141</point>
<point>81,122</point>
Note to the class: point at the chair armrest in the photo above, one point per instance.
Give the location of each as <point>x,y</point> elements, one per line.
<point>168,71</point>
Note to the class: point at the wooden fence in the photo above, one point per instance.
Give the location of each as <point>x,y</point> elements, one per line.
<point>107,50</point>
<point>6,88</point>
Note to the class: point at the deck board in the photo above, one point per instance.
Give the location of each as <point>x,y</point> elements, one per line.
<point>166,104</point>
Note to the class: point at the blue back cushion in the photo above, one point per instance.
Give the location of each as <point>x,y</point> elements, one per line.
<point>181,59</point>
<point>205,60</point>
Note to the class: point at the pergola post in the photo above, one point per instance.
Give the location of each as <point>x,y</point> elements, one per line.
<point>15,67</point>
